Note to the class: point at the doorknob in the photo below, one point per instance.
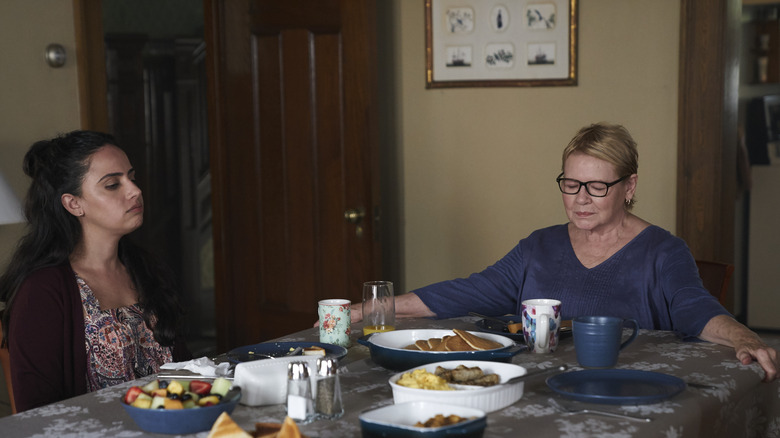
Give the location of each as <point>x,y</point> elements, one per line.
<point>355,215</point>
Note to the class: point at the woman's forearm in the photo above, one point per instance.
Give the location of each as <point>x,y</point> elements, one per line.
<point>725,330</point>
<point>411,306</point>
<point>407,305</point>
<point>748,346</point>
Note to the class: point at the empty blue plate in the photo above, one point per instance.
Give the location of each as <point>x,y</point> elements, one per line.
<point>618,387</point>
<point>280,349</point>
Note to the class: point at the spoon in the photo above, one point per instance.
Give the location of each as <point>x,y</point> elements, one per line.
<point>295,352</point>
<point>536,373</point>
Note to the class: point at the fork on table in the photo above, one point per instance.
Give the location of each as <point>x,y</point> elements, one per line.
<point>569,411</point>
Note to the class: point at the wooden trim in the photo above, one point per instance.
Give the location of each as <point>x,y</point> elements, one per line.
<point>707,127</point>
<point>213,15</point>
<point>91,64</point>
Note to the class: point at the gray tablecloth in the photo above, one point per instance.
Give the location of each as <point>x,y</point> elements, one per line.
<point>737,404</point>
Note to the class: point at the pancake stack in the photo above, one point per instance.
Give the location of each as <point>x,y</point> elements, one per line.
<point>460,341</point>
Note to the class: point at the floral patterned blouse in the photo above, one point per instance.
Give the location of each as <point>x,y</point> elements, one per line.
<point>119,345</point>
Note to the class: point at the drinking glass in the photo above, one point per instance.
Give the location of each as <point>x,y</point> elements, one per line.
<point>378,307</point>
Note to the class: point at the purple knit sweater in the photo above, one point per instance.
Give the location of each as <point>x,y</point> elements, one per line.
<point>652,279</point>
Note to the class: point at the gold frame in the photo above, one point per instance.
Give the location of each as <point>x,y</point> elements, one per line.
<point>520,80</point>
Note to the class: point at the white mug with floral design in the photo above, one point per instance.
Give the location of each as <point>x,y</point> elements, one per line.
<point>335,321</point>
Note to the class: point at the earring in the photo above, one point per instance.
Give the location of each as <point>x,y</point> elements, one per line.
<point>628,202</point>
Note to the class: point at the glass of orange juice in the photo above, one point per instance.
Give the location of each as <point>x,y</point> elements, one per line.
<point>378,307</point>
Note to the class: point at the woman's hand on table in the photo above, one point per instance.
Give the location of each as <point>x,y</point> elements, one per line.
<point>747,344</point>
<point>406,306</point>
<point>766,356</point>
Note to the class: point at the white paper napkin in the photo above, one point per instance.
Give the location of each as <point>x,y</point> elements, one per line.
<point>203,366</point>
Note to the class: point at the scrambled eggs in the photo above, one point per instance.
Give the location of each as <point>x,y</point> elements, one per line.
<point>422,379</point>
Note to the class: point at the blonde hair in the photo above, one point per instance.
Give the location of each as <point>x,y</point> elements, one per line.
<point>608,142</point>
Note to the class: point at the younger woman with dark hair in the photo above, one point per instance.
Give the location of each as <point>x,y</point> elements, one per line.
<point>85,308</point>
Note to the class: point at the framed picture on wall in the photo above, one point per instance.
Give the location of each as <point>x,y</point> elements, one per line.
<point>514,43</point>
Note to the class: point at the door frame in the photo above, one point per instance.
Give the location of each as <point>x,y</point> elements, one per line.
<point>91,64</point>
<point>707,128</point>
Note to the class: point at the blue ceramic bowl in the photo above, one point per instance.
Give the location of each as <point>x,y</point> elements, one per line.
<point>387,349</point>
<point>397,421</point>
<point>181,421</point>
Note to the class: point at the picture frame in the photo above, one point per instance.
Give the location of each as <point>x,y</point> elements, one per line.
<point>509,43</point>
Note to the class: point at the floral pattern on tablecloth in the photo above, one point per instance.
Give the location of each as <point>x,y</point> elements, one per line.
<point>736,405</point>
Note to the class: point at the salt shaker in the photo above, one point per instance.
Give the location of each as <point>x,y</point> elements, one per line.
<point>328,402</point>
<point>299,400</point>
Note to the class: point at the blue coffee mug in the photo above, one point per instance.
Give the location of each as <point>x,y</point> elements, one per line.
<point>597,339</point>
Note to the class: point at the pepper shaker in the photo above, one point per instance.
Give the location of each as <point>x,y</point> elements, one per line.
<point>299,400</point>
<point>328,403</point>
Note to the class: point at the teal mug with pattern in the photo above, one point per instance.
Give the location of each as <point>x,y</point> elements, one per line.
<point>335,321</point>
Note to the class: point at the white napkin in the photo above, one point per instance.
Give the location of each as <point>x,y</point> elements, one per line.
<point>203,366</point>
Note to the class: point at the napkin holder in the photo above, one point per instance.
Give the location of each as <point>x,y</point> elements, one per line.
<point>264,382</point>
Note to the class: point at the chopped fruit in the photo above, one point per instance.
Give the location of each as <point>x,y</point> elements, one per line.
<point>158,402</point>
<point>220,386</point>
<point>175,388</point>
<point>176,394</point>
<point>208,400</point>
<point>190,396</point>
<point>200,387</point>
<point>151,386</point>
<point>132,394</point>
<point>172,404</point>
<point>143,401</point>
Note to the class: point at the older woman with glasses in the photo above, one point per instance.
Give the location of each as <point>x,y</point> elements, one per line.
<point>604,261</point>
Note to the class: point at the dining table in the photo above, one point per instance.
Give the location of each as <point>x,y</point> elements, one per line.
<point>721,398</point>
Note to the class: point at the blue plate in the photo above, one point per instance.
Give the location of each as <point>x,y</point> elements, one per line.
<point>617,387</point>
<point>388,350</point>
<point>490,326</point>
<point>280,349</point>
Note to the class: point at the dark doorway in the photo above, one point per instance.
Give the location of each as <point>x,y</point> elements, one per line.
<point>156,92</point>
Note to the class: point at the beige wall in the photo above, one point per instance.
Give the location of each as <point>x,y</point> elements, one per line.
<point>477,165</point>
<point>37,101</point>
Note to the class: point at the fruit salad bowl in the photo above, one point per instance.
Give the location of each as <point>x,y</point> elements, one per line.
<point>163,415</point>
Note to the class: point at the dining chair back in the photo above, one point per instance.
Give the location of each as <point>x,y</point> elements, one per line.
<point>5,362</point>
<point>716,277</point>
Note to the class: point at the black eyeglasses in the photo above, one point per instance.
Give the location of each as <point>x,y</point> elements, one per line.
<point>596,189</point>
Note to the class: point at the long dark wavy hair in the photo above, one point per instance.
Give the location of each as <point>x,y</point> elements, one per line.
<point>58,166</point>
